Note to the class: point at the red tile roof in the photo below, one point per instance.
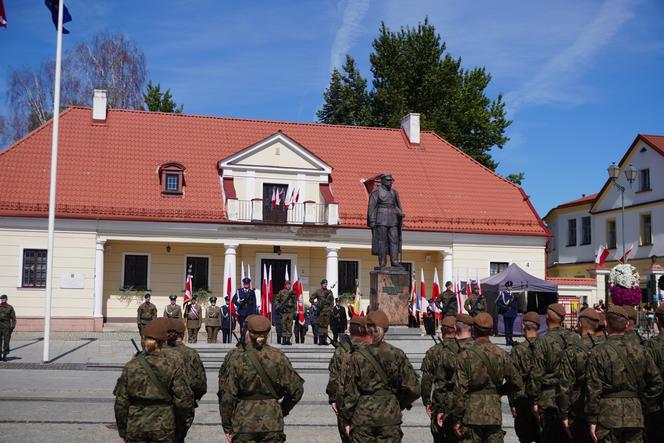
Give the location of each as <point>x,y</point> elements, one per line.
<point>655,141</point>
<point>109,171</point>
<point>573,281</point>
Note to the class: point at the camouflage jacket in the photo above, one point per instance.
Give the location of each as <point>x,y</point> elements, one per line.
<point>447,303</point>
<point>223,372</point>
<point>621,378</point>
<point>145,313</point>
<point>655,347</point>
<point>522,356</point>
<point>570,393</point>
<point>437,371</point>
<point>193,368</point>
<point>478,302</point>
<point>142,412</point>
<point>7,316</point>
<point>484,372</point>
<point>365,399</point>
<point>634,338</point>
<point>337,362</point>
<point>246,404</point>
<point>545,374</point>
<point>285,299</point>
<point>324,299</point>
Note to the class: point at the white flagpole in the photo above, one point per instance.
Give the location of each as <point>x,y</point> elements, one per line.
<point>51,200</point>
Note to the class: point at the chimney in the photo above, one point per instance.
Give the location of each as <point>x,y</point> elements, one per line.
<point>410,123</point>
<point>99,103</point>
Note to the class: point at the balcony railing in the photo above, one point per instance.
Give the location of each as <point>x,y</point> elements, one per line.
<point>308,212</point>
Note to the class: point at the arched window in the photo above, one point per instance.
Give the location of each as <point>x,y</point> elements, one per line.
<point>171,178</point>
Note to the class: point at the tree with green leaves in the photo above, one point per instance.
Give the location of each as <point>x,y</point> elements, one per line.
<point>516,178</point>
<point>346,99</point>
<point>155,100</point>
<point>412,72</point>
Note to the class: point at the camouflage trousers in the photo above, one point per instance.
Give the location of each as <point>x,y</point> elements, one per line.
<point>5,336</point>
<point>268,437</point>
<point>370,434</point>
<point>286,324</point>
<point>619,435</point>
<point>482,434</point>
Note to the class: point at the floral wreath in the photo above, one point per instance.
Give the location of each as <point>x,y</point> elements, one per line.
<point>624,285</point>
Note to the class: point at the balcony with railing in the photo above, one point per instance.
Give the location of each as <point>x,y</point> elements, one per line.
<point>305,213</point>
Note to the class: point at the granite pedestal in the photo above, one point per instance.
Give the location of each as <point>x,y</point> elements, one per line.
<point>390,290</point>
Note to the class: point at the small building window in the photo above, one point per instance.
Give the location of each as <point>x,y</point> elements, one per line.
<point>646,229</point>
<point>644,180</point>
<point>34,268</point>
<point>571,232</point>
<point>171,178</point>
<point>135,272</point>
<point>586,231</point>
<point>496,267</point>
<point>198,267</point>
<point>348,275</point>
<point>611,234</point>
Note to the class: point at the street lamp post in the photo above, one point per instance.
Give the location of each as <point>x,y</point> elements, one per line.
<point>630,175</point>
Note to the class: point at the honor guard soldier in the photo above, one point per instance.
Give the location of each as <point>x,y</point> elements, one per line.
<point>152,396</point>
<point>7,325</point>
<point>572,388</point>
<point>484,373</point>
<point>622,382</point>
<point>193,315</point>
<point>245,300</point>
<point>526,425</point>
<point>654,421</point>
<point>447,302</point>
<point>145,313</point>
<point>339,321</point>
<point>457,333</point>
<point>476,303</point>
<point>212,320</point>
<point>506,304</point>
<point>379,383</point>
<point>227,322</point>
<point>339,360</point>
<point>286,302</point>
<point>173,310</point>
<point>323,299</point>
<point>255,381</point>
<point>545,374</point>
<point>194,370</point>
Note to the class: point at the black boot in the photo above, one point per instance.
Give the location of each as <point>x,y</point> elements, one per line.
<point>278,339</point>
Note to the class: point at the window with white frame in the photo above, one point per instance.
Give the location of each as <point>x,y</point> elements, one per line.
<point>33,269</point>
<point>198,267</point>
<point>644,180</point>
<point>571,232</point>
<point>586,230</point>
<point>496,267</point>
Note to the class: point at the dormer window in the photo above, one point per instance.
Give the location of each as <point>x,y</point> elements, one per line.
<point>171,178</point>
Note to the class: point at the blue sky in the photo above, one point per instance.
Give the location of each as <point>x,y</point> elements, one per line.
<point>581,79</point>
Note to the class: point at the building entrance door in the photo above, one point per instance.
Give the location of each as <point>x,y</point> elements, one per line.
<point>279,267</point>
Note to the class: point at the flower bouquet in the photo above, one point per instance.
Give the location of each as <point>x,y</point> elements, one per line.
<point>624,285</point>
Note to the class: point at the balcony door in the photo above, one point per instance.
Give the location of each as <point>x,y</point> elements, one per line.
<point>274,213</point>
<point>279,267</point>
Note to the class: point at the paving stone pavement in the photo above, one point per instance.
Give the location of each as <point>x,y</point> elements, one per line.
<point>70,399</point>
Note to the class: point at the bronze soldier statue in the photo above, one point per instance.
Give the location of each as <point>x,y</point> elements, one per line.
<point>384,217</point>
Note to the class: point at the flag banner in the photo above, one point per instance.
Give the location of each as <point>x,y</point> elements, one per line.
<point>469,287</point>
<point>479,284</point>
<point>52,6</point>
<point>435,292</point>
<point>274,196</point>
<point>625,256</point>
<point>270,292</point>
<point>423,292</point>
<point>297,197</point>
<point>601,256</point>
<point>3,15</point>
<point>457,288</point>
<point>358,299</point>
<point>289,197</point>
<point>297,288</point>
<point>187,289</point>
<point>286,276</point>
<point>251,280</point>
<point>242,276</point>
<point>229,289</point>
<point>263,307</point>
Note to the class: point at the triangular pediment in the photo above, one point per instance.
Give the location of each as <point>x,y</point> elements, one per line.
<point>276,152</point>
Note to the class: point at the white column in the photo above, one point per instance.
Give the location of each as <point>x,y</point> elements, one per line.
<point>230,264</point>
<point>448,270</point>
<point>99,280</point>
<point>332,270</point>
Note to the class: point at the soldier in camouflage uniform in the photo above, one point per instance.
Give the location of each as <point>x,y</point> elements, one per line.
<point>255,380</point>
<point>571,390</point>
<point>654,421</point>
<point>285,302</point>
<point>447,302</point>
<point>525,424</point>
<point>173,310</point>
<point>152,394</point>
<point>378,384</point>
<point>484,373</point>
<point>145,313</point>
<point>435,379</point>
<point>621,379</point>
<point>476,303</point>
<point>545,374</point>
<point>346,345</point>
<point>323,298</point>
<point>7,325</point>
<point>212,320</point>
<point>631,334</point>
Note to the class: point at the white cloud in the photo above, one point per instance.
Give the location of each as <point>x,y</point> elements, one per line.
<point>555,81</point>
<point>350,28</point>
